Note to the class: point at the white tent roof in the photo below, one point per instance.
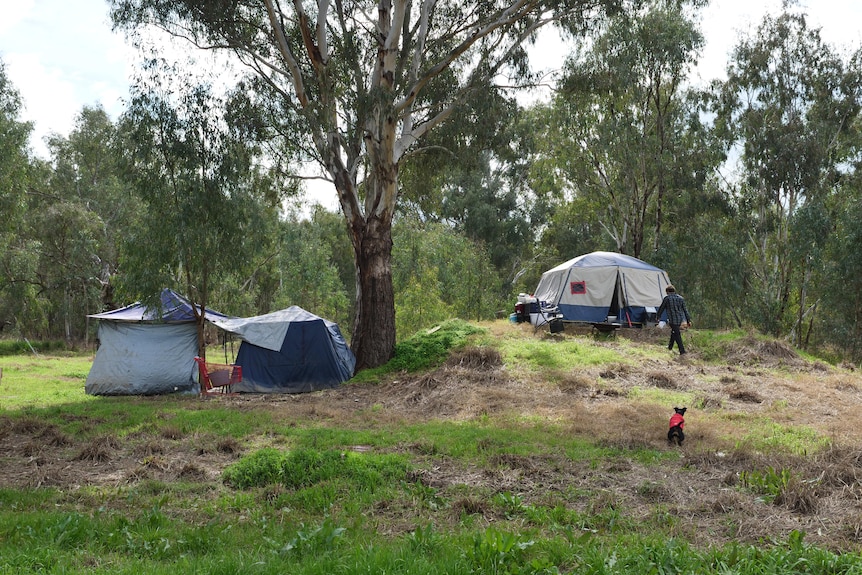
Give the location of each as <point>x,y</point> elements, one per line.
<point>268,330</point>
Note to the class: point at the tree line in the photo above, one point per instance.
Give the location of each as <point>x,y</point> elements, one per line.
<point>746,190</point>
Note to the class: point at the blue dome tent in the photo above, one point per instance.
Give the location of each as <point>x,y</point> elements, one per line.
<point>289,351</point>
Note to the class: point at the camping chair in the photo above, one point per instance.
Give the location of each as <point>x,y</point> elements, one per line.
<point>549,315</point>
<point>217,377</point>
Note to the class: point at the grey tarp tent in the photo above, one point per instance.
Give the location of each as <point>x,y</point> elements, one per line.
<point>146,351</point>
<point>289,351</point>
<point>598,285</point>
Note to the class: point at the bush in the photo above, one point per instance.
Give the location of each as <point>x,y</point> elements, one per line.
<point>304,467</point>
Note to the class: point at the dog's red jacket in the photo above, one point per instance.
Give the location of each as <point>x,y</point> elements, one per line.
<point>677,419</point>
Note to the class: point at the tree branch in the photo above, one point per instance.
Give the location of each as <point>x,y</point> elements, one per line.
<point>286,54</point>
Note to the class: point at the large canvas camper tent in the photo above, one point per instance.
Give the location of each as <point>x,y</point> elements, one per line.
<point>145,350</point>
<point>289,351</point>
<point>603,286</point>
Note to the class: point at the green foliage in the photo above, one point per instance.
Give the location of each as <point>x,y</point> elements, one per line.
<point>770,482</point>
<point>706,258</point>
<point>418,304</point>
<point>430,348</point>
<point>842,287</point>
<point>312,542</point>
<point>713,345</point>
<point>630,133</point>
<point>471,181</point>
<point>771,437</point>
<point>425,540</point>
<point>439,274</point>
<point>20,346</point>
<point>553,355</point>
<point>263,467</point>
<point>511,504</point>
<point>55,240</point>
<point>84,220</point>
<point>302,468</point>
<point>791,101</point>
<point>500,552</point>
<point>310,277</point>
<point>197,173</point>
<point>13,154</point>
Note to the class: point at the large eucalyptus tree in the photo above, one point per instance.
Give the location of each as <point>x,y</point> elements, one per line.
<point>358,84</point>
<point>791,104</point>
<point>627,122</point>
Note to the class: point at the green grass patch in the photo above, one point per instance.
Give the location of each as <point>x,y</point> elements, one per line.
<point>303,468</point>
<point>24,347</point>
<point>797,440</point>
<point>766,436</point>
<point>769,482</point>
<point>43,380</point>
<point>538,355</point>
<point>662,397</point>
<point>713,345</point>
<point>424,350</point>
<point>314,495</point>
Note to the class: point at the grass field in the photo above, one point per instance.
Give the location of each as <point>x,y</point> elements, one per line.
<point>481,449</point>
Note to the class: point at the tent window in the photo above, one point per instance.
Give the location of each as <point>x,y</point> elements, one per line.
<point>578,288</point>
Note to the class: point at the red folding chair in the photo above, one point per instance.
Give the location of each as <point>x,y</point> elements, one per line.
<point>217,377</point>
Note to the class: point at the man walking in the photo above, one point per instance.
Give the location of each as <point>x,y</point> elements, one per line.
<point>677,313</point>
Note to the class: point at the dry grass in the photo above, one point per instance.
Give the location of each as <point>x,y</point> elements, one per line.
<point>701,488</point>
<point>479,358</point>
<point>745,395</point>
<point>99,449</point>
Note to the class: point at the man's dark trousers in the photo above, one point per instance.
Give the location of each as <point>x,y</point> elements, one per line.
<point>676,336</point>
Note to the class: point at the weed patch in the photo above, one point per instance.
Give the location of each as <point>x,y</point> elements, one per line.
<point>303,468</point>
<point>427,349</point>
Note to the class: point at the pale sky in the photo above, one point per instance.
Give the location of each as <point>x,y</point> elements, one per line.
<point>61,54</point>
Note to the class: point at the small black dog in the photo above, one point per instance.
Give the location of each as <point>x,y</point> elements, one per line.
<point>677,422</point>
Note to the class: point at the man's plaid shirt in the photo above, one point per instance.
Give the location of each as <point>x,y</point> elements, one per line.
<point>674,304</point>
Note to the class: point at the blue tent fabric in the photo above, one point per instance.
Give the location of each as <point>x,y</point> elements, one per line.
<point>289,351</point>
<point>173,308</point>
